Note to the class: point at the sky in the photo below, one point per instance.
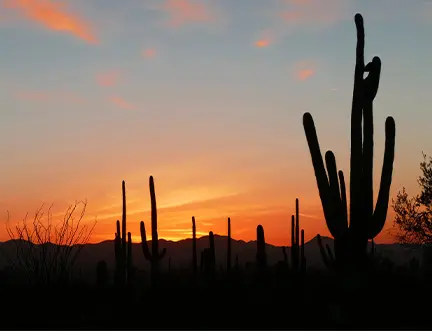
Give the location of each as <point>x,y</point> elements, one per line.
<point>206,96</point>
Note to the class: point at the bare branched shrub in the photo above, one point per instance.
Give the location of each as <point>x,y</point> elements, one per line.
<point>45,250</point>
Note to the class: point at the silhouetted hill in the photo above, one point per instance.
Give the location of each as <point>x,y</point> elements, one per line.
<point>180,253</point>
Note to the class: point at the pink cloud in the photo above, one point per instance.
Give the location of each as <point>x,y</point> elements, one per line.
<point>33,96</point>
<point>149,52</point>
<point>304,70</point>
<point>53,16</point>
<point>183,12</point>
<point>121,103</point>
<point>313,12</point>
<point>265,39</point>
<point>108,79</point>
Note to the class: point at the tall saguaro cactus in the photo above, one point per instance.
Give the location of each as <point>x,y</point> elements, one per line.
<point>351,235</point>
<point>229,245</point>
<point>123,246</point>
<point>153,256</point>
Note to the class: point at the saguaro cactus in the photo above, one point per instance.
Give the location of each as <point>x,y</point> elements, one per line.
<point>298,260</point>
<point>261,255</point>
<point>122,247</point>
<point>155,255</point>
<point>229,246</point>
<point>364,222</point>
<point>194,248</point>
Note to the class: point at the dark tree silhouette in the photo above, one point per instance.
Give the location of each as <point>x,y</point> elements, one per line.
<point>47,250</point>
<point>413,219</point>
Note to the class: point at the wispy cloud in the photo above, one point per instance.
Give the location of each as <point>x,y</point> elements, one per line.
<point>313,12</point>
<point>53,16</point>
<point>149,52</point>
<point>33,96</point>
<point>43,96</point>
<point>181,12</point>
<point>121,103</point>
<point>304,70</point>
<point>108,79</point>
<point>265,39</point>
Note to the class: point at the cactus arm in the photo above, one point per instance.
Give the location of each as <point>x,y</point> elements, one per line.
<point>318,164</point>
<point>144,244</point>
<point>380,214</point>
<point>336,223</point>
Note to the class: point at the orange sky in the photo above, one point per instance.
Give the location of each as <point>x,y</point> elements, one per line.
<point>206,96</point>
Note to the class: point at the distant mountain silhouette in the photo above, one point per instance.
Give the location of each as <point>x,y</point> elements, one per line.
<point>180,253</point>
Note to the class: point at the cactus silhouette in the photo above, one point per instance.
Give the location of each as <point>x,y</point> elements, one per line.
<point>154,256</point>
<point>194,248</point>
<point>261,255</point>
<point>208,259</point>
<point>123,247</point>
<point>364,222</point>
<point>298,259</point>
<point>229,246</point>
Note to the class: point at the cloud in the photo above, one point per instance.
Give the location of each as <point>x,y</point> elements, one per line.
<point>149,52</point>
<point>265,39</point>
<point>53,16</point>
<point>314,12</point>
<point>41,96</point>
<point>121,103</point>
<point>33,96</point>
<point>183,12</point>
<point>304,70</point>
<point>108,79</point>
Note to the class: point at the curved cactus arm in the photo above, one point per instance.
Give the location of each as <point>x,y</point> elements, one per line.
<point>371,82</point>
<point>338,223</point>
<point>162,253</point>
<point>318,163</point>
<point>144,244</point>
<point>380,213</point>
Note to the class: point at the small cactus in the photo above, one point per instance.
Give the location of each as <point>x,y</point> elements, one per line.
<point>194,248</point>
<point>123,247</point>
<point>261,255</point>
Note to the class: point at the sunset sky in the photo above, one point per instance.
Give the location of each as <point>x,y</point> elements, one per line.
<point>206,96</point>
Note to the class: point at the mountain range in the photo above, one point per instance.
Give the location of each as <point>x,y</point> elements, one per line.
<point>179,253</point>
